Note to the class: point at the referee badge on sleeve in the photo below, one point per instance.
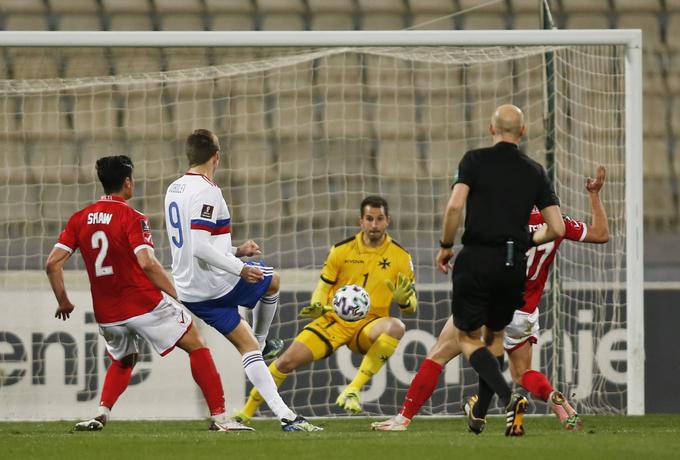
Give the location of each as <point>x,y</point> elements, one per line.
<point>207,211</point>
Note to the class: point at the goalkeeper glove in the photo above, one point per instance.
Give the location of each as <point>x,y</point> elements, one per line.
<point>402,293</point>
<point>315,310</point>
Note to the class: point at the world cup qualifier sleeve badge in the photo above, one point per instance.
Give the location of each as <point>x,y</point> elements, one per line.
<point>207,211</point>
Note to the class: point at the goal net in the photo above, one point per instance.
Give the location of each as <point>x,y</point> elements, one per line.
<point>306,134</point>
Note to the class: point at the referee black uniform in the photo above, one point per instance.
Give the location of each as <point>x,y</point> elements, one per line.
<point>489,272</point>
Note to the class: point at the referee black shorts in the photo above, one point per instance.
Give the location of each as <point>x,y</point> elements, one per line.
<point>485,291</point>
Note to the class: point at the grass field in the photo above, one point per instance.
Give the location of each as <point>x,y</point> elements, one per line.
<point>605,437</point>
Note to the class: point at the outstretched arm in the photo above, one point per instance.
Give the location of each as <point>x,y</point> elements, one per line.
<point>317,306</point>
<point>598,230</point>
<point>403,293</point>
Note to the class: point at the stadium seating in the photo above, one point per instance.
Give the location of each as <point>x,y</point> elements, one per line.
<point>79,21</point>
<point>304,98</point>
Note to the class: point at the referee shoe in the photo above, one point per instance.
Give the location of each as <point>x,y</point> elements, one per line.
<point>513,415</point>
<point>476,425</point>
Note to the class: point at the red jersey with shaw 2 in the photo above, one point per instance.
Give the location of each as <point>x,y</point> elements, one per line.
<point>109,233</point>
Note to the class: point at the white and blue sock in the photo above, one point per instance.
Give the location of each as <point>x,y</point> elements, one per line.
<point>263,315</point>
<point>259,375</point>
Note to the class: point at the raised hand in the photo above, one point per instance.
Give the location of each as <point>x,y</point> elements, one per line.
<point>594,185</point>
<point>403,291</point>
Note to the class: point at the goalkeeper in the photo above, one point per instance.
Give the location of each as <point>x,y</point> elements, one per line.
<point>371,259</point>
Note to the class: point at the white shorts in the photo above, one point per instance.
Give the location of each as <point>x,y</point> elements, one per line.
<point>162,327</point>
<point>523,328</point>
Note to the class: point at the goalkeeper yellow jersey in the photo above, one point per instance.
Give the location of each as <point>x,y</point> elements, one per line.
<point>352,262</point>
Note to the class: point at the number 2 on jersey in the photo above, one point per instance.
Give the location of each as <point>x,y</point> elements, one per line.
<point>173,217</point>
<point>99,239</point>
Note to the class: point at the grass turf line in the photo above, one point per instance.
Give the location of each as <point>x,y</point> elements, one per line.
<point>605,437</point>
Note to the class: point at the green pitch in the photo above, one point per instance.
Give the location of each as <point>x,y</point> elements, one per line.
<point>609,438</point>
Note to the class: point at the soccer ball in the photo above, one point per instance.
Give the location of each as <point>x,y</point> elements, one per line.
<point>351,302</point>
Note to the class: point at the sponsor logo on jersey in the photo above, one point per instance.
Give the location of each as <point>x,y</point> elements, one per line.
<point>207,211</point>
<point>99,218</point>
<point>353,261</point>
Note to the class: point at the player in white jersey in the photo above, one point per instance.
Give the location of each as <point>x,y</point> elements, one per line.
<point>210,278</point>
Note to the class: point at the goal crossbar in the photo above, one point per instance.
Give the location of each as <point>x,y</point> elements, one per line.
<point>631,38</point>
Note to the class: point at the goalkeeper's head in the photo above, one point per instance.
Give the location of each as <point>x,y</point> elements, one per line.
<point>115,174</point>
<point>374,219</point>
<point>202,146</point>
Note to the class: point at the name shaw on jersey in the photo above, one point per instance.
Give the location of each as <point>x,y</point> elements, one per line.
<point>99,218</point>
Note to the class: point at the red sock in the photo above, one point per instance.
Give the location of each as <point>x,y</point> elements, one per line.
<point>116,381</point>
<point>206,376</point>
<point>537,384</point>
<point>421,388</point>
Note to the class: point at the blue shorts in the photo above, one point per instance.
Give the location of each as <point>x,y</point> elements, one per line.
<point>222,313</point>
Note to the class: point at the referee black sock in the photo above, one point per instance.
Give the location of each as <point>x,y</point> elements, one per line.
<point>486,366</point>
<point>485,394</point>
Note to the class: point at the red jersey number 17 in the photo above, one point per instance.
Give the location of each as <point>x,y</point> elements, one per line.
<point>536,257</point>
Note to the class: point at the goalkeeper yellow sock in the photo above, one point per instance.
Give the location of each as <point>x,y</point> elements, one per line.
<point>278,376</point>
<point>374,360</point>
<point>255,398</point>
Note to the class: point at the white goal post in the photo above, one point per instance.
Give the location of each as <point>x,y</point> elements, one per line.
<point>630,40</point>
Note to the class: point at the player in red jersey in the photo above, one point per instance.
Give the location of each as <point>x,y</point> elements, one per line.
<point>132,295</point>
<point>520,334</point>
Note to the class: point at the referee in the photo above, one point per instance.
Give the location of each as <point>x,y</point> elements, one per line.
<point>499,185</point>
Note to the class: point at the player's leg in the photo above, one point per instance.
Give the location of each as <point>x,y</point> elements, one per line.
<point>169,326</point>
<point>494,342</point>
<point>306,347</point>
<point>207,378</point>
<point>116,381</point>
<point>425,381</point>
<point>471,305</point>
<point>517,405</point>
<point>477,406</point>
<point>445,349</point>
<point>244,340</point>
<point>258,304</point>
<point>538,384</point>
<point>377,340</point>
<point>263,315</point>
<point>122,350</point>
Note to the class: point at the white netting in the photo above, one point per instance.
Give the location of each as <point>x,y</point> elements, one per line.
<point>307,134</point>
